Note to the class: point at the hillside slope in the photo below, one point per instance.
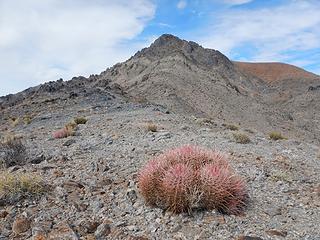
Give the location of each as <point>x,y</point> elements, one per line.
<point>188,95</point>
<point>273,72</point>
<point>188,79</point>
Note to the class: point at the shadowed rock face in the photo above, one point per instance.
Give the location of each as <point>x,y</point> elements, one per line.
<point>189,79</point>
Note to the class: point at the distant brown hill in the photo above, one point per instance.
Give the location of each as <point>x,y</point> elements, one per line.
<point>274,71</point>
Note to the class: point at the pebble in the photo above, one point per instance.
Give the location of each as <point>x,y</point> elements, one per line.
<point>103,230</point>
<point>20,225</point>
<point>3,213</point>
<point>62,231</point>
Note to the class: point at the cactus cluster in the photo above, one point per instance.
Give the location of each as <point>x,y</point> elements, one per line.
<point>191,177</point>
<point>69,129</point>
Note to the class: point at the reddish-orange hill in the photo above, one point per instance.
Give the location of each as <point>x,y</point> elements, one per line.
<point>274,71</point>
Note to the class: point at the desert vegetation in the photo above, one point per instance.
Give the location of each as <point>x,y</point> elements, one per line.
<point>15,186</point>
<point>80,120</point>
<point>151,127</point>
<point>63,132</point>
<point>27,119</point>
<point>283,176</point>
<point>231,127</point>
<point>14,121</point>
<point>276,136</point>
<point>241,138</point>
<point>191,177</point>
<point>12,151</point>
<point>70,128</point>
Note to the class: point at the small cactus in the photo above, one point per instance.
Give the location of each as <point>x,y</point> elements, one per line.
<point>148,181</point>
<point>223,190</point>
<point>191,177</point>
<point>176,185</point>
<point>68,130</point>
<point>63,133</point>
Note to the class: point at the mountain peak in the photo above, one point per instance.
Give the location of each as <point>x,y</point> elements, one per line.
<point>173,42</point>
<point>167,38</point>
<point>168,45</point>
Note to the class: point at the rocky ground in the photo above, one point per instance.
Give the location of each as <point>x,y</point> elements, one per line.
<point>92,177</point>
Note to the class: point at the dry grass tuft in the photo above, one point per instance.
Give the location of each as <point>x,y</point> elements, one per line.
<point>276,136</point>
<point>15,186</point>
<point>80,120</point>
<point>232,127</point>
<point>241,138</point>
<point>27,119</point>
<point>72,126</point>
<point>14,121</point>
<point>151,127</point>
<point>283,176</point>
<point>12,152</point>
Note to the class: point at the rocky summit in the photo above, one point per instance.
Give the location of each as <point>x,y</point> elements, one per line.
<point>71,151</point>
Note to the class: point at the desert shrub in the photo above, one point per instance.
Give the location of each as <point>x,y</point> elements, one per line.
<point>281,176</point>
<point>15,186</point>
<point>140,100</point>
<point>14,121</point>
<point>151,127</point>
<point>276,136</point>
<point>27,119</point>
<point>71,126</point>
<point>80,120</point>
<point>190,177</point>
<point>241,138</point>
<point>205,121</point>
<point>12,152</point>
<point>231,127</point>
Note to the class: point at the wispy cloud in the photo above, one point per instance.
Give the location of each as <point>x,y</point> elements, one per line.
<point>182,4</point>
<point>46,40</point>
<point>165,25</point>
<point>237,2</point>
<point>279,33</point>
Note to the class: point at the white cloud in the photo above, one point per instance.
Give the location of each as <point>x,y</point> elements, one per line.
<point>237,2</point>
<point>182,4</point>
<point>269,34</point>
<point>165,25</point>
<point>45,40</point>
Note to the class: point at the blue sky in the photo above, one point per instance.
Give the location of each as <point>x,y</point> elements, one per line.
<point>47,40</point>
